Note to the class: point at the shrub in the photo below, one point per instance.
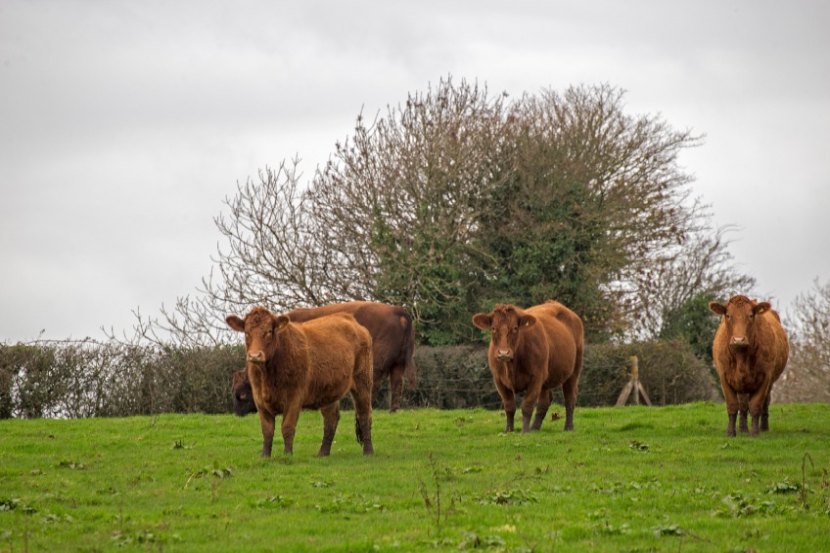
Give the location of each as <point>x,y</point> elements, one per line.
<point>88,379</point>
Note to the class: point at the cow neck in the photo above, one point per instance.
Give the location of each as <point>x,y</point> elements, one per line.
<point>291,352</point>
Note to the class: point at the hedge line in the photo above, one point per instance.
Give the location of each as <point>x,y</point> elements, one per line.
<point>93,379</point>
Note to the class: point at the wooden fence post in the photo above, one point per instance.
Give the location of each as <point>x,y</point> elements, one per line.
<point>633,385</point>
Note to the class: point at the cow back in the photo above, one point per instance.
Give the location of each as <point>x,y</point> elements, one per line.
<point>390,326</point>
<point>563,333</point>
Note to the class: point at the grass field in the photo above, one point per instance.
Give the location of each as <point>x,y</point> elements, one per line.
<point>627,479</point>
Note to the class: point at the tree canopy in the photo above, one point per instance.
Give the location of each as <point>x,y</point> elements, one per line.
<point>457,199</point>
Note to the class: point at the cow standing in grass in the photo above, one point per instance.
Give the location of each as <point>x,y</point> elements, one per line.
<point>311,365</point>
<point>393,346</point>
<point>750,351</point>
<point>532,351</point>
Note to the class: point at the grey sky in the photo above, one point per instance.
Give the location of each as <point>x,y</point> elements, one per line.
<point>123,125</point>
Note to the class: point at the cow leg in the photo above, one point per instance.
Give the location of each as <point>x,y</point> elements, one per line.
<point>363,421</point>
<point>289,426</point>
<point>731,399</point>
<point>545,399</point>
<point>266,421</point>
<point>528,403</point>
<point>756,406</point>
<point>331,416</point>
<point>743,409</point>
<point>362,398</point>
<point>765,412</point>
<point>395,388</point>
<point>569,390</point>
<point>508,400</point>
<point>377,382</point>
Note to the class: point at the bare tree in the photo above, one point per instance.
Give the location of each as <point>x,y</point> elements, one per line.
<point>701,267</point>
<point>807,377</point>
<point>274,254</point>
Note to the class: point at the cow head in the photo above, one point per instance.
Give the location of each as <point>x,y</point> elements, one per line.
<point>243,394</point>
<point>505,323</point>
<point>739,315</point>
<point>261,328</point>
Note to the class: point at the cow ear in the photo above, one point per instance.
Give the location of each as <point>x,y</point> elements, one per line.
<point>527,321</point>
<point>761,308</point>
<point>717,308</point>
<point>482,321</point>
<point>235,323</point>
<point>280,322</point>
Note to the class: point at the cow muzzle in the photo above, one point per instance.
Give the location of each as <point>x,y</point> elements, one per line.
<point>504,355</point>
<point>257,358</point>
<point>739,342</point>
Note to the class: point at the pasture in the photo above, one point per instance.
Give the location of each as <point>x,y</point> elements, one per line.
<point>627,479</point>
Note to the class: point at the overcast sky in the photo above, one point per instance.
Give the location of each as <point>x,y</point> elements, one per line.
<point>123,125</point>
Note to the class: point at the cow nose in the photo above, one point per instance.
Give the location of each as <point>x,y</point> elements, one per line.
<point>256,357</point>
<point>504,355</point>
<point>739,341</point>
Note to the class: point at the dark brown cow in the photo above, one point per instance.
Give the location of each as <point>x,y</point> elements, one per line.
<point>243,395</point>
<point>532,351</point>
<point>393,344</point>
<point>750,351</point>
<point>294,366</point>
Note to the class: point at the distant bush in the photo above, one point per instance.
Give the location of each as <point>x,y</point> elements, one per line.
<point>458,376</point>
<point>89,379</point>
<point>669,371</point>
<point>92,379</point>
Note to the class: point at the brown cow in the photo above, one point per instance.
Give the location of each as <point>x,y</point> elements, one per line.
<point>311,365</point>
<point>750,352</point>
<point>532,351</point>
<point>393,344</point>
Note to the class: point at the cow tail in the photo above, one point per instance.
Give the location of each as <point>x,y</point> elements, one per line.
<point>410,370</point>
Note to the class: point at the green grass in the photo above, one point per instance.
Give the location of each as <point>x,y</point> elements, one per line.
<point>627,479</point>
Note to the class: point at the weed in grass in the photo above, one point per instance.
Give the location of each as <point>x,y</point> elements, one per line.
<point>824,486</point>
<point>605,528</point>
<point>803,490</point>
<point>9,504</point>
<point>738,505</point>
<point>784,487</point>
<point>272,502</point>
<point>471,540</point>
<point>346,503</point>
<point>215,471</point>
<point>668,530</point>
<point>322,484</point>
<point>432,502</point>
<point>508,497</point>
<point>73,465</point>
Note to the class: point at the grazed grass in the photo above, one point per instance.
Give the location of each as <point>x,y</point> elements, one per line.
<point>629,479</point>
